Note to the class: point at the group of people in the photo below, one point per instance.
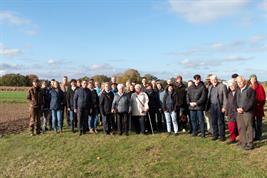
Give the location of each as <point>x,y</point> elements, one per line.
<point>200,108</point>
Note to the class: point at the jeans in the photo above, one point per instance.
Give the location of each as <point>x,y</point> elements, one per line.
<point>171,117</point>
<point>197,117</point>
<point>57,120</point>
<point>92,121</point>
<point>218,123</point>
<point>72,115</point>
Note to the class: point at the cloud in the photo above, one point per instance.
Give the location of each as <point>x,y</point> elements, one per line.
<point>209,63</point>
<point>7,17</point>
<point>204,11</point>
<point>263,5</point>
<point>12,18</point>
<point>257,39</point>
<point>9,52</point>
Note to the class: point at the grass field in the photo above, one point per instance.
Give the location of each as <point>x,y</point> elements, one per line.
<point>13,97</point>
<point>70,155</point>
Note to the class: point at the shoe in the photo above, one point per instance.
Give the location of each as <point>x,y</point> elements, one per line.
<point>214,138</point>
<point>248,147</point>
<point>176,134</point>
<point>222,139</point>
<point>95,130</point>
<point>194,135</point>
<point>230,142</point>
<point>127,134</point>
<point>183,130</point>
<point>91,131</point>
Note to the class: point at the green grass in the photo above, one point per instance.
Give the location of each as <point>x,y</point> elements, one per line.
<point>13,96</point>
<point>70,155</point>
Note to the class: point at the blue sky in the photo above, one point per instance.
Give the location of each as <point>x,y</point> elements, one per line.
<point>161,37</point>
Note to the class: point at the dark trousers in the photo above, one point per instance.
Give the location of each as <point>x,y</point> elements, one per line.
<point>152,115</point>
<point>244,124</point>
<point>218,123</point>
<point>48,122</point>
<point>65,112</point>
<point>123,122</point>
<point>107,123</point>
<point>162,121</point>
<point>257,125</point>
<point>35,122</point>
<point>82,116</point>
<point>139,122</point>
<point>197,118</point>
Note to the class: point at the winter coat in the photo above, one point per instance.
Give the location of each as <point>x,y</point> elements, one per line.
<point>154,102</point>
<point>82,99</point>
<point>197,94</point>
<point>246,99</point>
<point>56,99</point>
<point>139,104</point>
<point>95,102</point>
<point>166,104</point>
<point>70,98</point>
<point>221,95</point>
<point>121,103</point>
<point>260,99</point>
<point>35,97</point>
<point>105,102</point>
<point>181,95</point>
<point>231,106</point>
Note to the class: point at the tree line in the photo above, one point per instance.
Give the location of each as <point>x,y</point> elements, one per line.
<point>20,80</point>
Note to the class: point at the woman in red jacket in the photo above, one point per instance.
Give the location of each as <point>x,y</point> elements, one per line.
<point>259,105</point>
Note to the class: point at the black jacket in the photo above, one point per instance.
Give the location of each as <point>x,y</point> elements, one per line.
<point>46,98</point>
<point>70,98</point>
<point>181,95</point>
<point>82,99</point>
<point>154,102</point>
<point>95,102</point>
<point>105,102</point>
<point>246,99</point>
<point>197,94</point>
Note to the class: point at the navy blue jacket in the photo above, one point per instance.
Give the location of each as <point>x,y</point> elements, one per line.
<point>56,99</point>
<point>82,99</point>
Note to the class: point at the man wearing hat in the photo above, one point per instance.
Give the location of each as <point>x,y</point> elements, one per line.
<point>36,101</point>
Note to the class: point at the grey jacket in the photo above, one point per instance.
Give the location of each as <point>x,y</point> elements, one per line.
<point>121,104</point>
<point>221,95</point>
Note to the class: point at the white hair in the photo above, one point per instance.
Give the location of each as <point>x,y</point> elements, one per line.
<point>120,86</point>
<point>138,86</point>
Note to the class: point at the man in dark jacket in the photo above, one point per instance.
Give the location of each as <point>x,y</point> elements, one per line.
<point>245,98</point>
<point>181,107</point>
<point>70,103</point>
<point>35,99</point>
<point>196,99</point>
<point>217,100</point>
<point>105,105</point>
<point>82,106</point>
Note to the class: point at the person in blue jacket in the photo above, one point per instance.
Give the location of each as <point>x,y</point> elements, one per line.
<point>56,107</point>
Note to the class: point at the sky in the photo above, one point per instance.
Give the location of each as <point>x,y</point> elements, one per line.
<point>161,37</point>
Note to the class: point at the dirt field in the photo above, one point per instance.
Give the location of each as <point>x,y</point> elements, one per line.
<point>14,117</point>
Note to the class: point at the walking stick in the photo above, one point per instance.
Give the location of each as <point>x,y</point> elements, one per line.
<point>150,123</point>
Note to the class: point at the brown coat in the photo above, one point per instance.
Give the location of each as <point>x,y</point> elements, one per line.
<point>35,97</point>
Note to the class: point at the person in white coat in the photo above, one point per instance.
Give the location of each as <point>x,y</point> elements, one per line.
<point>139,108</point>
